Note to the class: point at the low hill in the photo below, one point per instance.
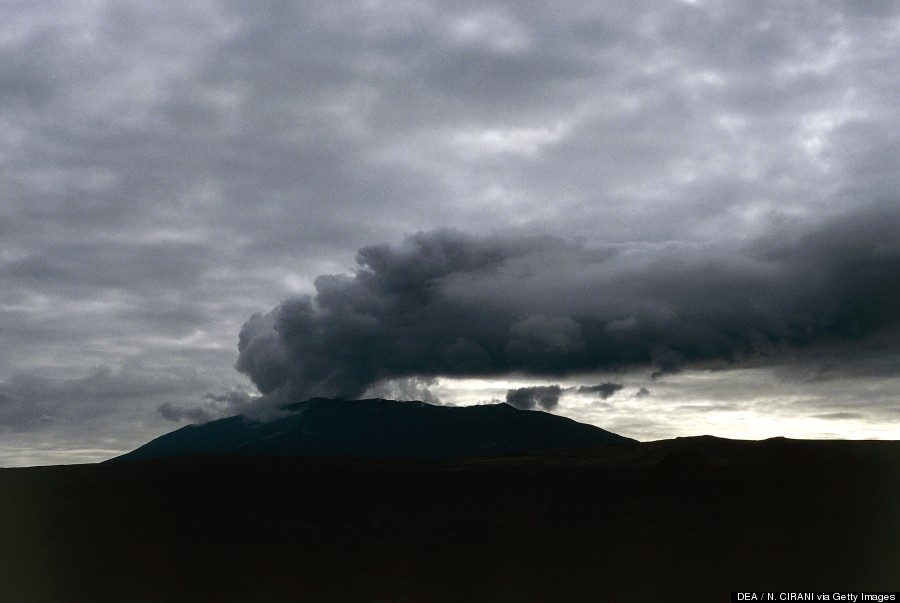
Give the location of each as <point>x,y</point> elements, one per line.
<point>378,428</point>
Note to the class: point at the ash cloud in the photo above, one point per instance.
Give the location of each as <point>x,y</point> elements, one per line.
<point>447,303</point>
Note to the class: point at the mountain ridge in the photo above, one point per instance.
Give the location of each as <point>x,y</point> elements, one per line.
<point>379,428</point>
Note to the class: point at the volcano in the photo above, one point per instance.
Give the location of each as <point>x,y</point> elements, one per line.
<point>378,428</point>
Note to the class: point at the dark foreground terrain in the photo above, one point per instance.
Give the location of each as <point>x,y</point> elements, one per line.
<point>690,520</point>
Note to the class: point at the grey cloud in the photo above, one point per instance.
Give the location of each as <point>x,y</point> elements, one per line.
<point>708,408</point>
<point>29,400</point>
<point>98,265</point>
<point>547,396</point>
<point>604,390</point>
<point>529,398</point>
<point>171,412</point>
<point>839,416</point>
<point>517,307</point>
<point>848,366</point>
<point>538,339</point>
<point>214,406</point>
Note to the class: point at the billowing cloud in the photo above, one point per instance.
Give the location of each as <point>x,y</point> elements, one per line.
<point>448,303</point>
<point>540,396</point>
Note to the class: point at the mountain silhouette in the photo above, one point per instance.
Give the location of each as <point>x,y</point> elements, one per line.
<point>380,428</point>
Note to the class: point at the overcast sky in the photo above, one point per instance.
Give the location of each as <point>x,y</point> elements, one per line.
<point>682,215</point>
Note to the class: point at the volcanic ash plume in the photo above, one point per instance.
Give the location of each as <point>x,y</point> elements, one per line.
<point>444,303</point>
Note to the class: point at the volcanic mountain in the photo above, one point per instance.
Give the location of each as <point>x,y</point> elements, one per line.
<point>380,428</point>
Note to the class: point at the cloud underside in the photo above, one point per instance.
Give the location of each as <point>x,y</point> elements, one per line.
<point>445,303</point>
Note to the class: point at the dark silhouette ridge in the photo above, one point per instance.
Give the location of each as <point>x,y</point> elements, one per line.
<point>380,428</point>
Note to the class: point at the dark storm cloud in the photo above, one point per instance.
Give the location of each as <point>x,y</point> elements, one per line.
<point>447,303</point>
<point>529,398</point>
